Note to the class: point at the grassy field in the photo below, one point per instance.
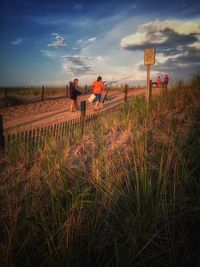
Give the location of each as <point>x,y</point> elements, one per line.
<point>127,194</point>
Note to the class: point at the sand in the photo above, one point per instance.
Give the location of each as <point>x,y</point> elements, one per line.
<point>39,114</point>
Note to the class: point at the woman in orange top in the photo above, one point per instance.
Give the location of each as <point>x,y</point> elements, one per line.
<point>97,88</point>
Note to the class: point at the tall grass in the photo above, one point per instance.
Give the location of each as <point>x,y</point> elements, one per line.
<point>127,194</point>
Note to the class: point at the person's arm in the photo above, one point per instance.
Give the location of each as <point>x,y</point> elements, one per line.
<point>103,87</point>
<point>76,90</point>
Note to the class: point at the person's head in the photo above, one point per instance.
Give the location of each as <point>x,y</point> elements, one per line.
<point>158,77</point>
<point>99,78</point>
<point>76,81</point>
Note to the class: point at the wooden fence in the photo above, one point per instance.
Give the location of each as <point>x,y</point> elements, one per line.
<point>40,135</point>
<point>10,96</point>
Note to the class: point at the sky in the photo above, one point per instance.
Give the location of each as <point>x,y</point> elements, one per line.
<point>52,42</point>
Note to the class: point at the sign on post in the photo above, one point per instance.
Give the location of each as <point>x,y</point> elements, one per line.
<point>149,56</point>
<point>149,59</point>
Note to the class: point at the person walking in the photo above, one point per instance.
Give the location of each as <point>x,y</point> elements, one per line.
<point>74,92</point>
<point>166,80</point>
<point>97,88</point>
<point>158,81</point>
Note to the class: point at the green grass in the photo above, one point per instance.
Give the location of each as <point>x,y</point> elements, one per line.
<point>127,194</point>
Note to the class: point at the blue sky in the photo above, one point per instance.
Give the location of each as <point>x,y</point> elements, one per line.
<point>52,42</point>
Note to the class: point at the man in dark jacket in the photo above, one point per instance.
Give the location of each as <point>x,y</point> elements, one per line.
<point>73,94</point>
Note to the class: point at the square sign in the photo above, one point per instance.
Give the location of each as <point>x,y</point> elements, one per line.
<point>149,56</point>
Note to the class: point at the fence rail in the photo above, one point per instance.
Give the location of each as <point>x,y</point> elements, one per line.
<point>11,96</point>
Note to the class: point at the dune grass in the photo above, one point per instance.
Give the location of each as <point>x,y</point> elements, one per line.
<point>126,194</point>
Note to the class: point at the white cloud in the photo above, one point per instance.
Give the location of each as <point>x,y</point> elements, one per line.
<point>81,59</point>
<point>79,64</point>
<point>58,41</point>
<point>83,42</point>
<point>177,45</point>
<point>158,32</point>
<point>49,54</point>
<point>196,45</point>
<point>92,40</point>
<point>77,70</point>
<point>17,41</point>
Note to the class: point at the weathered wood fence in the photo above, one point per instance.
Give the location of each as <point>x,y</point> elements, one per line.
<point>10,96</point>
<point>59,130</point>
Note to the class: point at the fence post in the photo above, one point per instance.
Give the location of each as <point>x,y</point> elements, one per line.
<point>83,114</point>
<point>6,97</point>
<point>2,143</point>
<point>42,96</point>
<point>125,92</point>
<point>67,91</point>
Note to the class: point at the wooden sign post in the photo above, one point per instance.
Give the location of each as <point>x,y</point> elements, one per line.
<point>149,59</point>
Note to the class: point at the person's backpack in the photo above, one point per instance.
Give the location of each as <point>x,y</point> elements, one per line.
<point>78,91</point>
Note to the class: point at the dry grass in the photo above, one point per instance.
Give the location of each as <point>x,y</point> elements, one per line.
<point>124,195</point>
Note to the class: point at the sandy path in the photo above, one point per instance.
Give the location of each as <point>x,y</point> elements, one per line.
<point>39,114</point>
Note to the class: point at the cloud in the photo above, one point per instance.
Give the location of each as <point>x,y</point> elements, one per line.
<point>162,35</point>
<point>92,40</point>
<point>17,41</point>
<point>49,54</point>
<point>58,41</point>
<point>82,43</point>
<point>77,70</point>
<point>189,59</point>
<point>81,59</point>
<point>177,45</point>
<point>79,64</point>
